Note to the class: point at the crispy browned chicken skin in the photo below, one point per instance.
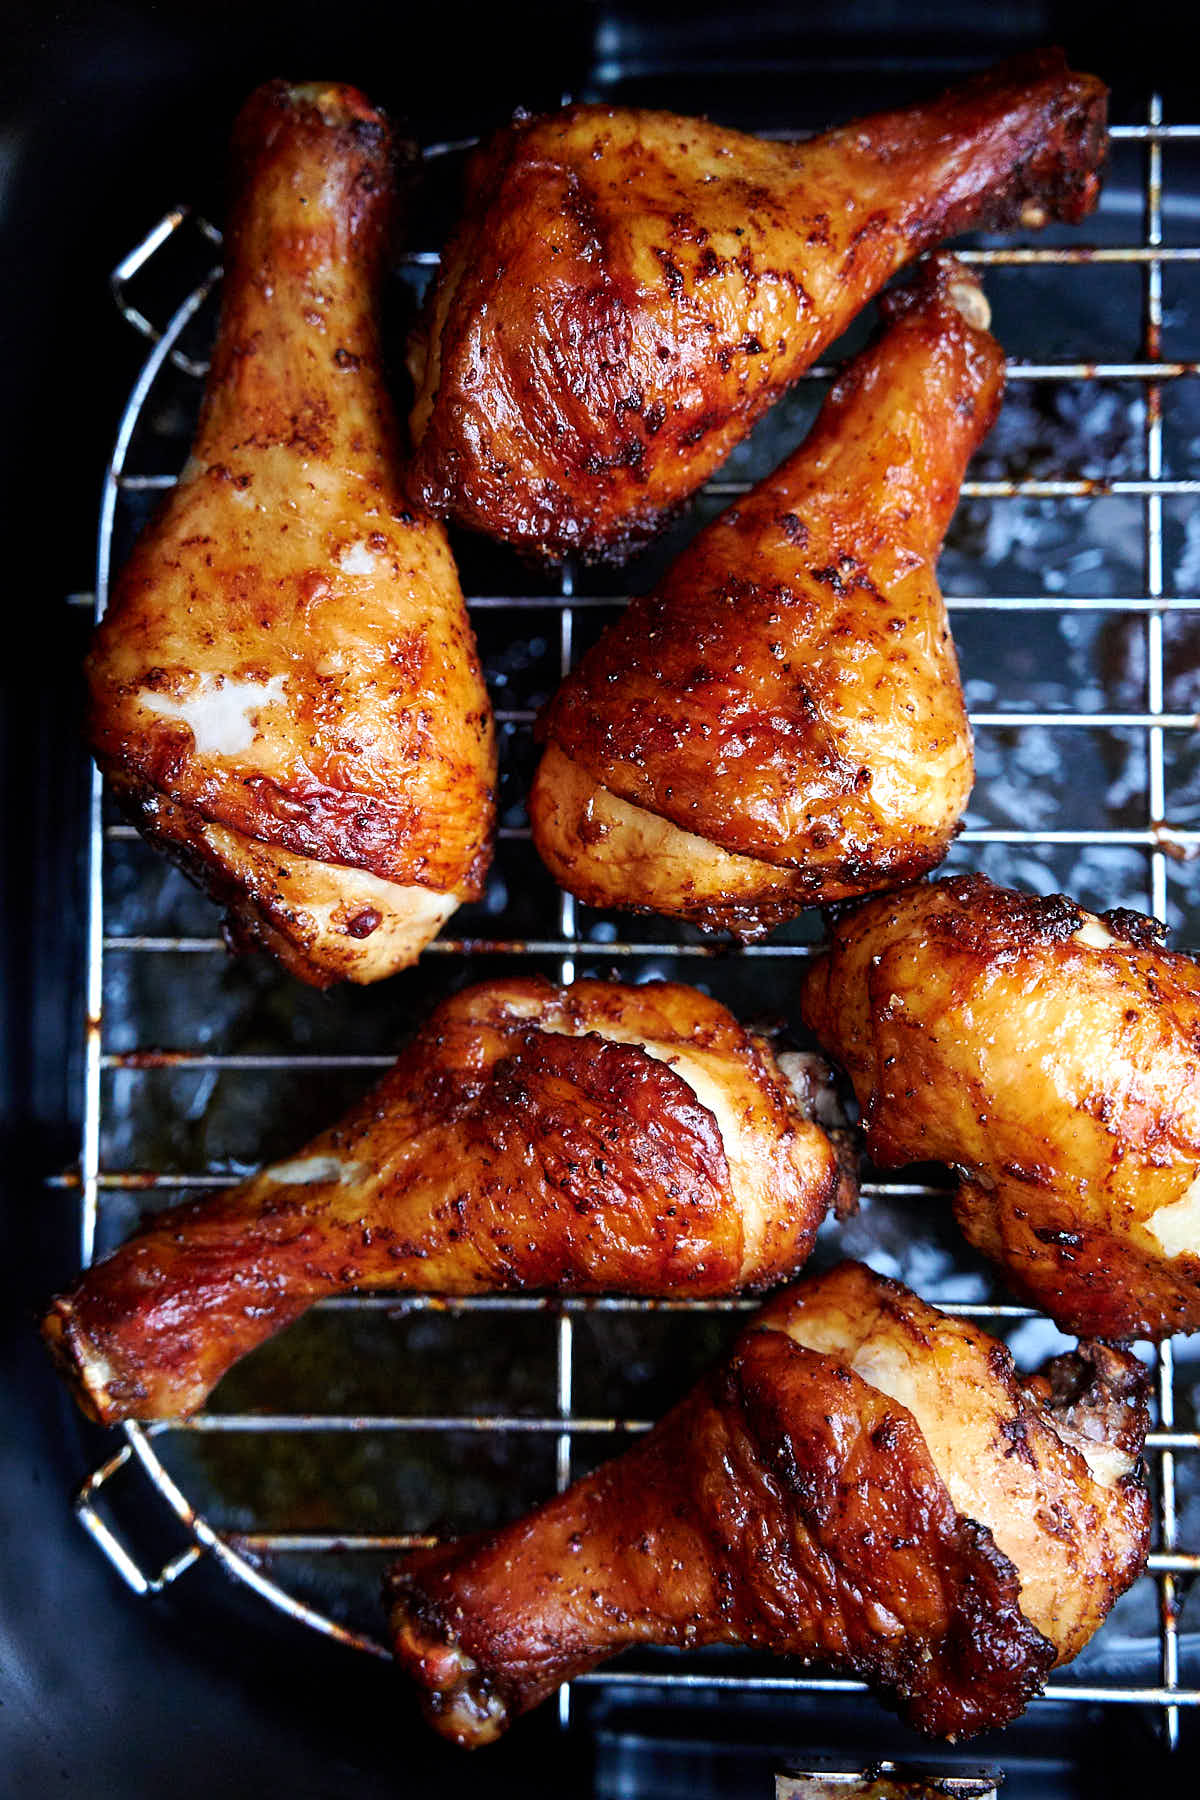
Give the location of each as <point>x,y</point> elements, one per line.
<point>781,722</point>
<point>588,1138</point>
<point>629,291</point>
<point>1053,1059</point>
<point>866,1484</point>
<point>285,688</point>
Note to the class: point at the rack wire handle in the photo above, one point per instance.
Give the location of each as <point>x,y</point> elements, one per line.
<point>101,1533</point>
<point>137,258</point>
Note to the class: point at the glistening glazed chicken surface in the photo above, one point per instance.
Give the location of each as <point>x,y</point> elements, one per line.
<point>1053,1059</point>
<point>781,722</point>
<point>590,1138</point>
<point>629,291</point>
<point>865,1484</point>
<point>284,688</point>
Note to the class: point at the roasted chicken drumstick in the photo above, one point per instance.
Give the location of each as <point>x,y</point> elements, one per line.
<point>1053,1059</point>
<point>284,688</point>
<point>588,1138</point>
<point>866,1484</point>
<point>629,291</point>
<point>782,723</point>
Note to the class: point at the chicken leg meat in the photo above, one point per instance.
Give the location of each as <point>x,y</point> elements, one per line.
<point>1052,1058</point>
<point>284,689</point>
<point>865,1484</point>
<point>591,1138</point>
<point>629,291</point>
<point>782,722</point>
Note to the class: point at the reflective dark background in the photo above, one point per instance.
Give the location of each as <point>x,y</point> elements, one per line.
<point>110,113</point>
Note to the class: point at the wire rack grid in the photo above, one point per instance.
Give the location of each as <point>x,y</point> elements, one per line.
<point>261,1554</point>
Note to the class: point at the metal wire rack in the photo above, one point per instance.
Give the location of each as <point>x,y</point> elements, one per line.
<point>263,1554</point>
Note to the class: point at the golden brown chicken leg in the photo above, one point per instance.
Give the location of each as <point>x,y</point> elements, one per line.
<point>285,688</point>
<point>865,1484</point>
<point>1053,1059</point>
<point>782,723</point>
<point>589,1138</point>
<point>629,291</point>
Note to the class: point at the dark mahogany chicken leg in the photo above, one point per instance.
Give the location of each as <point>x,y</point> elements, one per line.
<point>865,1484</point>
<point>781,723</point>
<point>284,689</point>
<point>629,291</point>
<point>591,1138</point>
<point>1052,1058</point>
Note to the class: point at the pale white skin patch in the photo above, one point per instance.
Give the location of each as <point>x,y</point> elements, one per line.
<point>221,712</point>
<point>967,297</point>
<point>625,851</point>
<point>357,559</point>
<point>1108,1463</point>
<point>321,897</point>
<point>813,1092</point>
<point>307,1170</point>
<point>1095,935</point>
<point>890,1371</point>
<point>1177,1226</point>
